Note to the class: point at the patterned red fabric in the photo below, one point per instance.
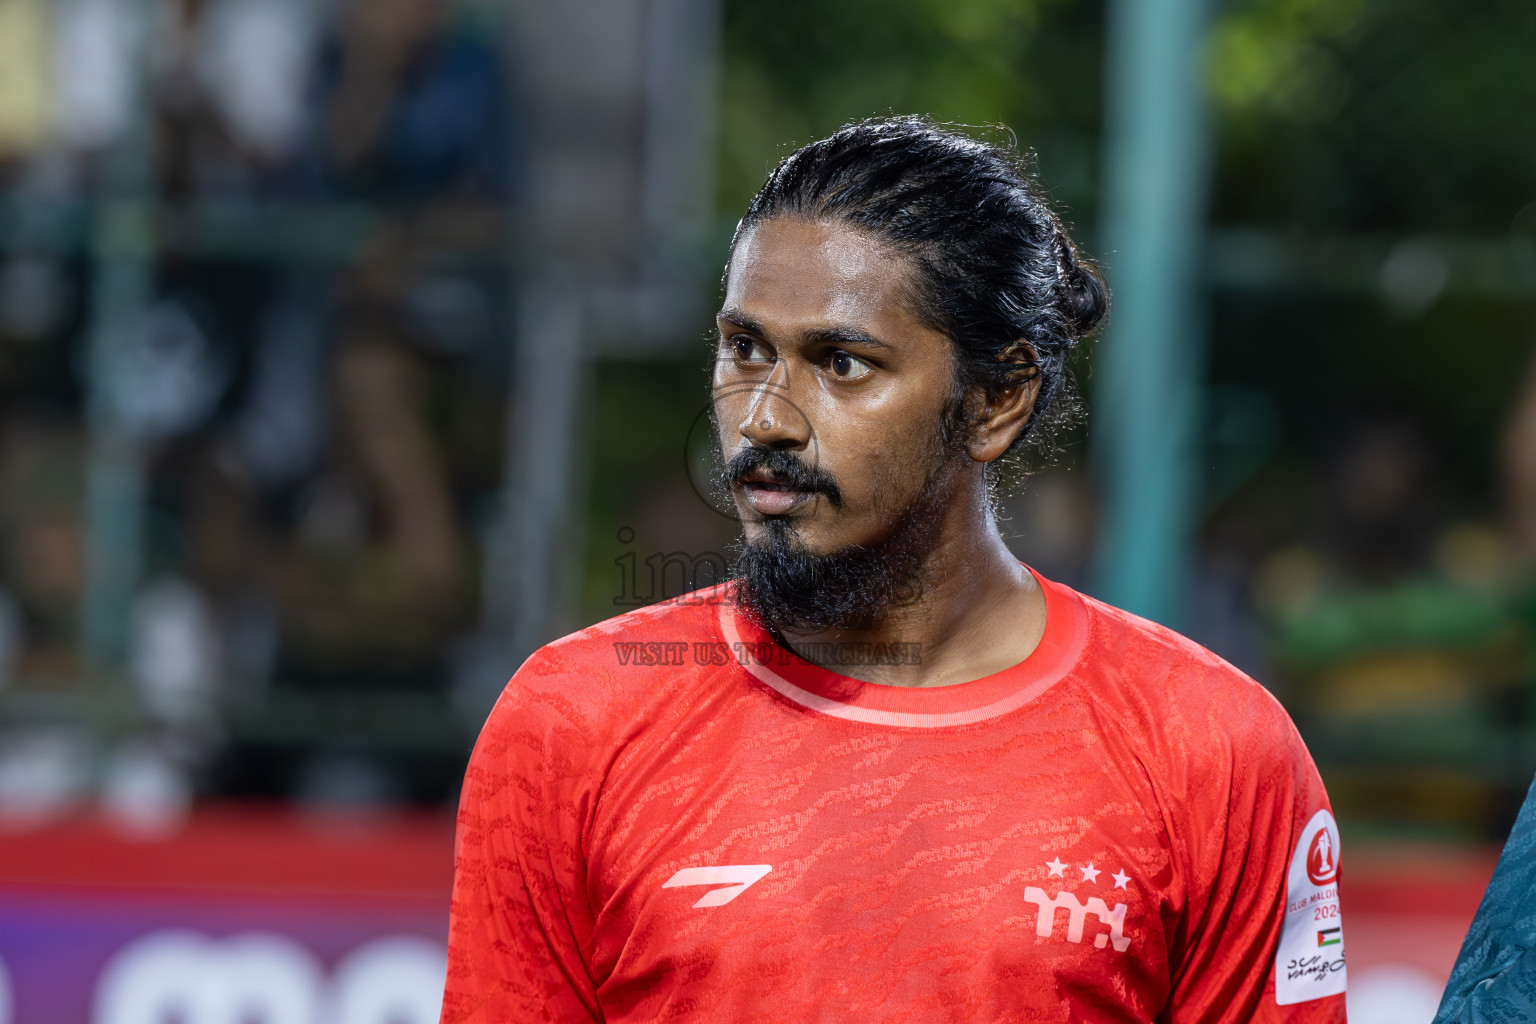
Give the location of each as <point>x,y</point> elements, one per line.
<point>1100,833</point>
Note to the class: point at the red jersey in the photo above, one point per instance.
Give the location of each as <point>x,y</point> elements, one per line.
<point>670,816</point>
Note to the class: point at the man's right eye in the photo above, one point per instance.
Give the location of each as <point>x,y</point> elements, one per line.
<point>750,350</point>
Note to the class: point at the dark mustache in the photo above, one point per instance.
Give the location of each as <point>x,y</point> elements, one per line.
<point>787,469</point>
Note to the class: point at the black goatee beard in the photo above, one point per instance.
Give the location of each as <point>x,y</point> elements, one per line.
<point>790,590</point>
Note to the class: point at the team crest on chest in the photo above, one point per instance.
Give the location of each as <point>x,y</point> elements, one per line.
<point>1109,921</point>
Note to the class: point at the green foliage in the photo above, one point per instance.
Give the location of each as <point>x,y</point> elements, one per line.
<point>1379,115</point>
<point>794,70</point>
<point>1273,60</point>
<point>1399,116</point>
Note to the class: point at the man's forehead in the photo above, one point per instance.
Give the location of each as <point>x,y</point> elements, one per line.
<point>789,271</point>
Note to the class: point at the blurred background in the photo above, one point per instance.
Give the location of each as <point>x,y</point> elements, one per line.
<point>350,349</point>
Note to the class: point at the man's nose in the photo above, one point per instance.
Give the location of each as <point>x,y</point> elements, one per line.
<point>772,418</point>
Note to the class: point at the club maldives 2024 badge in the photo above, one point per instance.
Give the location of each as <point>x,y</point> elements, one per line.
<point>1310,961</point>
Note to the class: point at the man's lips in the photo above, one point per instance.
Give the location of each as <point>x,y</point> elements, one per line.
<point>770,497</point>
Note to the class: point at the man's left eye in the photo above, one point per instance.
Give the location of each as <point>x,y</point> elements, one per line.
<point>847,367</point>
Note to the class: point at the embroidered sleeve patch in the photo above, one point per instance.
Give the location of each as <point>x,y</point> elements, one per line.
<point>1309,963</point>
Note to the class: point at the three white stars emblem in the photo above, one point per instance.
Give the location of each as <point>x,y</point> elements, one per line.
<point>1056,869</point>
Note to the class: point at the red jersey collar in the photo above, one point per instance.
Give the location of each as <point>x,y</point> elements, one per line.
<point>819,689</point>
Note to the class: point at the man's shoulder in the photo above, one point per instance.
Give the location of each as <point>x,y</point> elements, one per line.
<point>613,670</point>
<point>1174,684</point>
<point>649,637</point>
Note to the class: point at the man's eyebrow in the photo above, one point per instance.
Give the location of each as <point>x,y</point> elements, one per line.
<point>839,335</point>
<point>836,334</point>
<point>731,315</point>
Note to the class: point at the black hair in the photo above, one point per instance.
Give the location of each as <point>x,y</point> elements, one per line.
<point>993,264</point>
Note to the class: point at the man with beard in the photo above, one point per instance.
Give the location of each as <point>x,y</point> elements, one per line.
<point>1014,804</point>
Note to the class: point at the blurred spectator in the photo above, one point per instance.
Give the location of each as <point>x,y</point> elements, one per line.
<point>35,293</point>
<point>12,636</point>
<point>95,47</point>
<point>374,575</point>
<point>146,791</point>
<point>255,60</point>
<point>1384,501</point>
<point>408,109</point>
<point>41,494</point>
<point>314,431</point>
<point>25,86</point>
<point>45,773</point>
<point>1519,466</point>
<point>173,655</point>
<point>169,377</point>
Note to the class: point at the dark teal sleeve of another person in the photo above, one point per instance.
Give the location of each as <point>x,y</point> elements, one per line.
<point>1494,981</point>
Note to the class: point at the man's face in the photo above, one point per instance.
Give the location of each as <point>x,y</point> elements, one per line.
<point>820,358</point>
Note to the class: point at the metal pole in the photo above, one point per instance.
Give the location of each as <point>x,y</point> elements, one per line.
<point>616,202</point>
<point>551,373</point>
<point>1151,363</point>
<point>122,248</point>
<point>677,181</point>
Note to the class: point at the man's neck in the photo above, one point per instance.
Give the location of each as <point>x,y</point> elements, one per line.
<point>979,610</point>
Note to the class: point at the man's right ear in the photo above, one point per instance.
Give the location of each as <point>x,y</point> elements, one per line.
<point>1001,415</point>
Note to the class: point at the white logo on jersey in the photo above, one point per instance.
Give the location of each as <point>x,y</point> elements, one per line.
<point>1309,962</point>
<point>737,878</point>
<point>1077,916</point>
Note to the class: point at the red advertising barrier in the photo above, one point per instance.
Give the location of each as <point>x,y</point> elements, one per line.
<point>243,914</point>
<point>277,917</point>
<point>1406,911</point>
